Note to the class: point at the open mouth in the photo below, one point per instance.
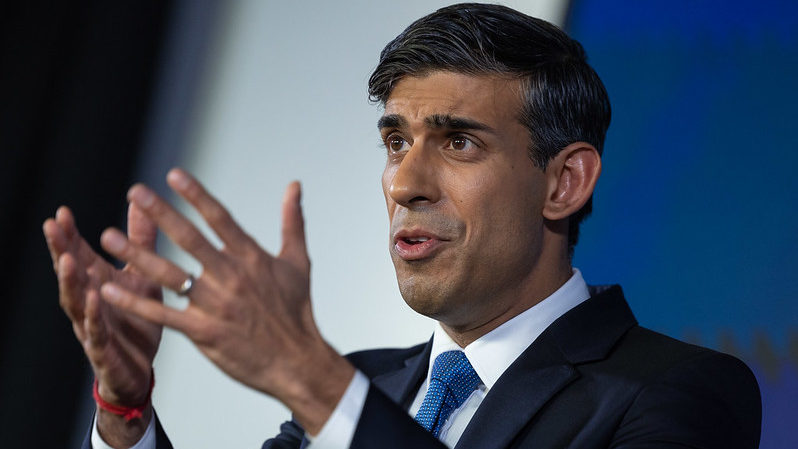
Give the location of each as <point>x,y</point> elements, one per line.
<point>414,240</point>
<point>415,247</point>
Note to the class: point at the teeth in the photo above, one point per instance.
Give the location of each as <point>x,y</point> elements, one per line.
<point>418,239</point>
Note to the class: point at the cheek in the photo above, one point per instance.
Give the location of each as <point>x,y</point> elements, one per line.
<point>475,205</point>
<point>482,192</point>
<point>500,209</point>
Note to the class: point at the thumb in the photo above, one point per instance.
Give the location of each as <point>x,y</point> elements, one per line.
<point>141,230</point>
<point>294,246</point>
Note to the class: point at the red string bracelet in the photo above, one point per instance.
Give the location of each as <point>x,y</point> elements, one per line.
<point>127,412</point>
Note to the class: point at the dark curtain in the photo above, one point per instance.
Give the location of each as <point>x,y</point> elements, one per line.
<point>76,81</point>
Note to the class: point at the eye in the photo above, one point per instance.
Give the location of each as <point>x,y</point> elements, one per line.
<point>460,143</point>
<point>395,143</point>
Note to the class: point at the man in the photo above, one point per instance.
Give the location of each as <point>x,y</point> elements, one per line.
<point>493,128</point>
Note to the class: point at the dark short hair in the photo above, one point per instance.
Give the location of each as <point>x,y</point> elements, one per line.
<point>565,101</point>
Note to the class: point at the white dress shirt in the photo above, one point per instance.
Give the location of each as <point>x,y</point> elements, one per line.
<point>490,355</point>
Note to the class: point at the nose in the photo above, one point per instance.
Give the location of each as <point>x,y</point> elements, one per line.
<point>414,181</point>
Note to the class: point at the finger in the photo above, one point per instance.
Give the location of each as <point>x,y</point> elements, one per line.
<point>79,330</point>
<point>141,230</point>
<point>293,226</point>
<point>95,327</point>
<point>70,283</point>
<point>65,219</point>
<point>175,226</point>
<point>147,309</point>
<point>72,238</point>
<point>56,240</point>
<point>143,260</point>
<point>216,215</point>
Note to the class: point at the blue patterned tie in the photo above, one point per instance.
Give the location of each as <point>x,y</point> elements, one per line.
<point>452,381</point>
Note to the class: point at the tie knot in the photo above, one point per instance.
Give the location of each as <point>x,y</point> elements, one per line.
<point>453,369</point>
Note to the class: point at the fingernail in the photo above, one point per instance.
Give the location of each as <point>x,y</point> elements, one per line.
<point>111,292</point>
<point>113,240</point>
<point>178,179</point>
<point>142,196</point>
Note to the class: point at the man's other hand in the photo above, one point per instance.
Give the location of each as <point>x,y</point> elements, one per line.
<point>119,346</point>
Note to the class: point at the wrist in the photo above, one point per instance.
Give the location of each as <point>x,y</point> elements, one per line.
<point>313,396</point>
<point>122,425</point>
<point>118,432</point>
<point>128,412</point>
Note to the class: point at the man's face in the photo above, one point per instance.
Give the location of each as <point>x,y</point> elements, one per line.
<point>464,198</point>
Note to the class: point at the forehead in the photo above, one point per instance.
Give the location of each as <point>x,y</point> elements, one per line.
<point>491,99</point>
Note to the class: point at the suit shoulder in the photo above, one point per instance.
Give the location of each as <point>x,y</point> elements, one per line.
<point>682,387</point>
<point>657,354</point>
<point>373,362</point>
<point>647,360</point>
<point>688,362</point>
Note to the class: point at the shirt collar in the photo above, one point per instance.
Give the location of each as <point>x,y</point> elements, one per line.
<point>494,352</point>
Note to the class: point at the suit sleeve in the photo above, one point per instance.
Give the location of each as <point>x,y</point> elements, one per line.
<point>711,401</point>
<point>290,437</point>
<point>386,425</point>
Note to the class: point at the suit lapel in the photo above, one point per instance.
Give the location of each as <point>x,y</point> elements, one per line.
<point>401,385</point>
<point>586,333</point>
<point>540,372</point>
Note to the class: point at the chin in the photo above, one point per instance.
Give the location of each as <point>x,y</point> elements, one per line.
<point>418,297</point>
<point>432,301</point>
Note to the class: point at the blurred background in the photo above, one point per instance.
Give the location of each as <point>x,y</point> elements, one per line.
<point>695,214</point>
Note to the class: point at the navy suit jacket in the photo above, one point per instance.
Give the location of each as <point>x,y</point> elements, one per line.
<point>593,379</point>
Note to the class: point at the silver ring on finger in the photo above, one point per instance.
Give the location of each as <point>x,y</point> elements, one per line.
<point>186,286</point>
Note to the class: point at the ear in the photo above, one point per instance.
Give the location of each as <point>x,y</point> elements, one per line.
<point>571,178</point>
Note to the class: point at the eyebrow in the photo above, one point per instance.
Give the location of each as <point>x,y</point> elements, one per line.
<point>435,121</point>
<point>447,121</point>
<point>391,121</point>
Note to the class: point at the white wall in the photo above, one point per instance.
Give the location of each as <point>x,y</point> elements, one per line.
<point>285,98</point>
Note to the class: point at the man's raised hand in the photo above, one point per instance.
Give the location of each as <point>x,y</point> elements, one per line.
<point>249,311</point>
